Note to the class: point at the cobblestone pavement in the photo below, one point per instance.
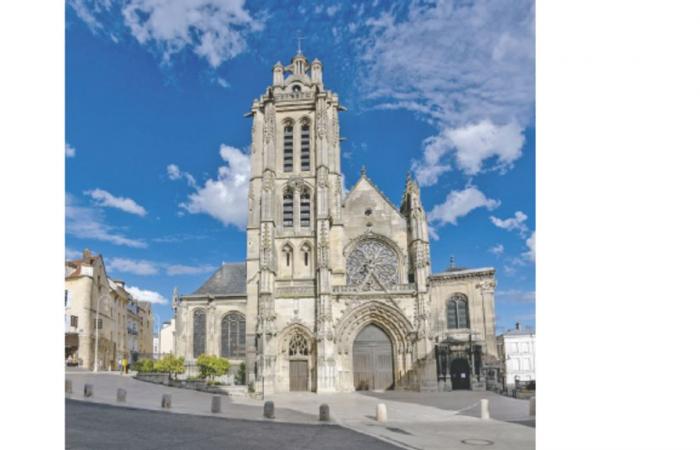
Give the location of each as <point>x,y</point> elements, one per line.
<point>103,427</point>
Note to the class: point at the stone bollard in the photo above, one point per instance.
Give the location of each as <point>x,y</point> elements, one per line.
<point>121,395</point>
<point>381,413</point>
<point>69,386</point>
<point>87,390</point>
<point>485,409</point>
<point>216,404</point>
<point>269,410</point>
<point>324,413</point>
<point>532,406</point>
<point>166,402</point>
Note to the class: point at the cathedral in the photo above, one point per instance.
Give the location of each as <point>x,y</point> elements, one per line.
<point>337,291</point>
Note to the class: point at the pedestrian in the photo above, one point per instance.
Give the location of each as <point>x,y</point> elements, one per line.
<point>120,367</point>
<point>127,366</point>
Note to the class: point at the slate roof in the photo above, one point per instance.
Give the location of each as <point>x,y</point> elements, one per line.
<point>230,279</point>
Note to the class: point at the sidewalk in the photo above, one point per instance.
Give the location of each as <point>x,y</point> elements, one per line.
<point>410,425</point>
<point>143,395</point>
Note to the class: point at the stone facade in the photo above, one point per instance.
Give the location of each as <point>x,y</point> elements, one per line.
<point>322,266</point>
<point>88,289</point>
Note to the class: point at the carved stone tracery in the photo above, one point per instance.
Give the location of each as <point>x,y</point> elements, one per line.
<point>372,265</point>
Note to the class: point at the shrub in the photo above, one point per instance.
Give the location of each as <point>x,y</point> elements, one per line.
<point>211,366</point>
<point>240,375</point>
<point>170,364</point>
<point>144,365</point>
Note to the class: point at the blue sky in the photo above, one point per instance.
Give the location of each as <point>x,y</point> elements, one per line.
<point>156,138</point>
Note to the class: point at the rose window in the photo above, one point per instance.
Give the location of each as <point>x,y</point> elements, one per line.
<point>372,265</point>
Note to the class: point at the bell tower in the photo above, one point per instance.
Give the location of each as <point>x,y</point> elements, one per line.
<point>294,206</point>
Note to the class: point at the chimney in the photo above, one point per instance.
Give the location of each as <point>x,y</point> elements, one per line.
<point>517,325</point>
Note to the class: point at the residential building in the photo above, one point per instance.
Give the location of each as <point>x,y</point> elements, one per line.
<point>89,304</point>
<point>166,337</point>
<point>516,349</point>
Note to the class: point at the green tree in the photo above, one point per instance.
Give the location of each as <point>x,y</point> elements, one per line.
<point>170,364</point>
<point>240,374</point>
<point>211,366</point>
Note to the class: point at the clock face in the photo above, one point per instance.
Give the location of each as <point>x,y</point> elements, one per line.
<point>372,265</point>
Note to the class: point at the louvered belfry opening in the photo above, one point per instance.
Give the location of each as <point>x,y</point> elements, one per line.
<point>288,148</point>
<point>305,152</point>
<point>305,208</point>
<point>288,208</point>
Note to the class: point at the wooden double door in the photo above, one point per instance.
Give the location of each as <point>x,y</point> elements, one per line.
<point>372,360</point>
<point>299,375</point>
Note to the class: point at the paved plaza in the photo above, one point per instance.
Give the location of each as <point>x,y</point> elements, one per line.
<point>96,426</point>
<point>415,420</point>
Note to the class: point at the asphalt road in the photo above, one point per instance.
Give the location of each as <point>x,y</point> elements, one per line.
<point>96,427</point>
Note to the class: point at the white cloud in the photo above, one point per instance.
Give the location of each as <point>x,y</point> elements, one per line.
<point>497,249</point>
<point>70,151</point>
<point>454,62</point>
<point>179,269</point>
<point>458,204</point>
<point>470,146</point>
<point>467,68</point>
<point>517,222</point>
<point>223,83</point>
<point>530,253</point>
<point>104,198</point>
<point>332,10</point>
<point>89,13</point>
<point>225,198</point>
<point>146,295</point>
<point>174,173</point>
<point>515,296</point>
<point>137,267</point>
<point>88,223</point>
<point>215,30</point>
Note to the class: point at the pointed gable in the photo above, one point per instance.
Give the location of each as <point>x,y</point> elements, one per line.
<point>366,208</point>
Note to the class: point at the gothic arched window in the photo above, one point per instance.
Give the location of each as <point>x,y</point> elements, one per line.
<point>458,312</point>
<point>305,152</point>
<point>199,332</point>
<point>298,346</point>
<point>288,147</point>
<point>305,208</point>
<point>306,254</point>
<point>288,208</point>
<point>233,335</point>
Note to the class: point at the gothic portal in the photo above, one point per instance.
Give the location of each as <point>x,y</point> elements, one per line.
<point>336,293</point>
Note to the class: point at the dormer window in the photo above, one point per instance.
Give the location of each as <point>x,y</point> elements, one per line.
<point>296,88</point>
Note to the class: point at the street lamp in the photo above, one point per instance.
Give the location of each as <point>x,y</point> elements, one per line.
<point>97,331</point>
